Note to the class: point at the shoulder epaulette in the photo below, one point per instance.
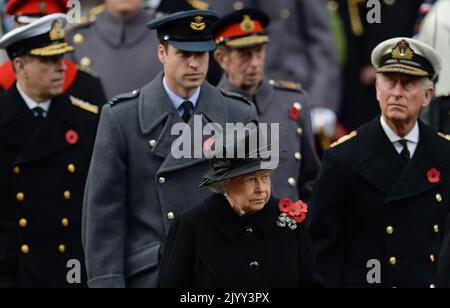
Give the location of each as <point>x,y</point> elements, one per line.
<point>124,97</point>
<point>199,5</point>
<point>286,85</point>
<point>345,139</point>
<point>95,11</point>
<point>235,96</point>
<point>446,137</point>
<point>84,105</point>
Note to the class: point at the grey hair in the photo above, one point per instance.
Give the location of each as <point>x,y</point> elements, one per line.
<point>426,82</point>
<point>219,187</point>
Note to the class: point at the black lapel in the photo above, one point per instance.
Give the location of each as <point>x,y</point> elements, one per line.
<point>414,180</point>
<point>378,161</point>
<point>17,123</point>
<point>51,136</point>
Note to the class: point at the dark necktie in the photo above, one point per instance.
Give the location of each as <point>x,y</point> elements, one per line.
<point>406,155</point>
<point>187,110</point>
<point>39,114</point>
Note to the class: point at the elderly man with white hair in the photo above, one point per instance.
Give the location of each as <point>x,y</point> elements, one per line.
<point>379,207</point>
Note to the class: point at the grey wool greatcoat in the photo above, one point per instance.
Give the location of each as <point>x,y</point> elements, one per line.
<point>136,188</point>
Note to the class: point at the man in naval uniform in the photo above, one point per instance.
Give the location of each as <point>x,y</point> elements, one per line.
<point>136,185</point>
<point>46,142</point>
<point>378,211</point>
<point>241,37</point>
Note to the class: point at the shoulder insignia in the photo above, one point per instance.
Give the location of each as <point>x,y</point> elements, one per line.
<point>235,96</point>
<point>344,139</point>
<point>199,5</point>
<point>95,11</point>
<point>447,137</point>
<point>286,85</point>
<point>84,105</point>
<point>124,97</point>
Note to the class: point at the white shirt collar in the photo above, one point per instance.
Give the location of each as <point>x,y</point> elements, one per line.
<point>413,137</point>
<point>178,101</point>
<point>31,103</point>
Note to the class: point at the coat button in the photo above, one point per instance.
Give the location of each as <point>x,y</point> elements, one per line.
<point>16,170</point>
<point>162,180</point>
<point>152,143</point>
<point>439,198</point>
<point>292,182</point>
<point>393,261</point>
<point>436,229</point>
<point>285,14</point>
<point>65,222</point>
<point>86,62</point>
<point>248,231</point>
<point>23,223</point>
<point>254,266</point>
<point>298,156</point>
<point>238,6</point>
<point>67,195</point>
<point>432,259</point>
<point>171,216</point>
<point>299,131</point>
<point>20,197</point>
<point>62,248</point>
<point>71,168</point>
<point>25,249</point>
<point>432,286</point>
<point>78,39</point>
<point>390,230</point>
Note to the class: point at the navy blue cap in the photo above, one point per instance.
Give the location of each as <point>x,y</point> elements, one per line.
<point>188,31</point>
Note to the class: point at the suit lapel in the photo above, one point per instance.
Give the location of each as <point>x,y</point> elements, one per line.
<point>414,180</point>
<point>50,137</point>
<point>379,162</point>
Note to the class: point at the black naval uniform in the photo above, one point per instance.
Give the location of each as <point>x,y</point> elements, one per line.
<point>368,204</point>
<point>42,179</point>
<point>274,101</point>
<point>212,247</point>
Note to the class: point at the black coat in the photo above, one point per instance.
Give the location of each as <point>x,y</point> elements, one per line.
<point>42,178</point>
<point>212,247</point>
<point>369,205</point>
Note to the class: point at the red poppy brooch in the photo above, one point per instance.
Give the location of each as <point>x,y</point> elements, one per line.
<point>434,176</point>
<point>292,213</point>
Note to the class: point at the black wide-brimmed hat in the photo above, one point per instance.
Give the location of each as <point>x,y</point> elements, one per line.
<point>247,153</point>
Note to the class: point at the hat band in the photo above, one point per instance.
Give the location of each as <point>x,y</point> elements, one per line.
<point>237,31</point>
<point>418,62</point>
<point>245,41</point>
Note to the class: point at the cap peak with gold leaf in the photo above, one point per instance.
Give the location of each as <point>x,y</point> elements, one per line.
<point>407,56</point>
<point>44,37</point>
<point>243,28</point>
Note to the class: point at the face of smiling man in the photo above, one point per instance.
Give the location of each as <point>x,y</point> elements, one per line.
<point>401,98</point>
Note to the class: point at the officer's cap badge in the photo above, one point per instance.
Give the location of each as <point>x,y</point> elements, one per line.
<point>247,25</point>
<point>403,51</point>
<point>198,24</point>
<point>57,31</point>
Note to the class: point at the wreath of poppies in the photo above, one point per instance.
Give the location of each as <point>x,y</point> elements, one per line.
<point>292,213</point>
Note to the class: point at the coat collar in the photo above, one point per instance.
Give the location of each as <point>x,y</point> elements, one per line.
<point>230,224</point>
<point>119,32</point>
<point>262,97</point>
<point>18,127</point>
<point>380,163</point>
<point>158,115</point>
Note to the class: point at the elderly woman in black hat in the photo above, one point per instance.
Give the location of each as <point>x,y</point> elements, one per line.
<point>240,237</point>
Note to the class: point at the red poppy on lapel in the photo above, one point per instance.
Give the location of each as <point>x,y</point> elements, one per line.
<point>72,137</point>
<point>292,213</point>
<point>295,112</point>
<point>434,176</point>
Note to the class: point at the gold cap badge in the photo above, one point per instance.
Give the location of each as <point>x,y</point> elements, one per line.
<point>57,32</point>
<point>402,51</point>
<point>198,24</point>
<point>247,25</point>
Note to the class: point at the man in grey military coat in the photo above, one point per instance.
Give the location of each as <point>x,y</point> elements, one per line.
<point>117,47</point>
<point>136,187</point>
<point>242,41</point>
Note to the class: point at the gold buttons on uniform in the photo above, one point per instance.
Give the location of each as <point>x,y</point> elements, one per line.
<point>71,168</point>
<point>299,131</point>
<point>238,5</point>
<point>390,230</point>
<point>292,182</point>
<point>78,39</point>
<point>65,222</point>
<point>86,62</point>
<point>432,259</point>
<point>298,156</point>
<point>62,248</point>
<point>436,229</point>
<point>16,170</point>
<point>25,249</point>
<point>23,223</point>
<point>439,198</point>
<point>171,216</point>
<point>162,180</point>
<point>67,195</point>
<point>20,197</point>
<point>393,261</point>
